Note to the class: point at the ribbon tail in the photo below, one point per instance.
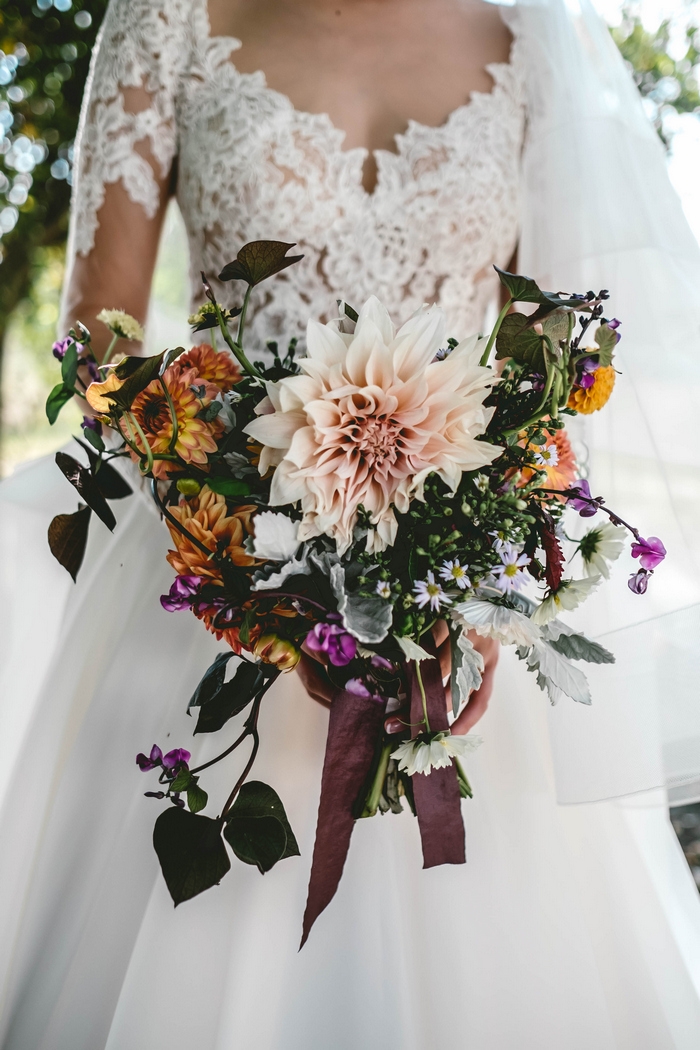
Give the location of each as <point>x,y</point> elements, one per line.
<point>436,796</point>
<point>354,725</point>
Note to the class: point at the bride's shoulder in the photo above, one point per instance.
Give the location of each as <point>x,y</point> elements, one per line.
<point>144,39</point>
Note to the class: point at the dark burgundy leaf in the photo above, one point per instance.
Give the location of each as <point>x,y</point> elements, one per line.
<point>191,852</point>
<point>81,478</point>
<point>555,556</point>
<point>258,260</point>
<point>68,535</point>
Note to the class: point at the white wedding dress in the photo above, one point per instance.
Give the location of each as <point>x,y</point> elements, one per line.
<point>569,928</point>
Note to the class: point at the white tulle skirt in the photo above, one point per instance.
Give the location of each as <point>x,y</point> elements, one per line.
<point>569,928</point>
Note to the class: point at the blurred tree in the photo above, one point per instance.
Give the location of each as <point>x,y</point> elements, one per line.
<point>43,66</point>
<point>666,71</point>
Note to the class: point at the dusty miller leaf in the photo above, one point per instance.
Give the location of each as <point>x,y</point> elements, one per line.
<point>560,672</point>
<point>467,668</point>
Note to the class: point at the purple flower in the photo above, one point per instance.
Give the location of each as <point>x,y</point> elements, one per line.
<point>60,347</point>
<point>614,324</point>
<point>381,663</point>
<point>362,687</point>
<point>154,759</point>
<point>91,424</point>
<point>339,646</point>
<point>650,552</point>
<point>588,367</point>
<point>93,371</point>
<point>581,500</point>
<point>178,757</point>
<point>639,582</point>
<point>182,593</point>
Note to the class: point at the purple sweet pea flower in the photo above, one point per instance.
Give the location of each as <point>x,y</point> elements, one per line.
<point>60,347</point>
<point>615,324</point>
<point>93,371</point>
<point>381,663</point>
<point>182,593</point>
<point>154,759</point>
<point>177,757</point>
<point>92,424</point>
<point>581,500</point>
<point>336,643</point>
<point>361,687</point>
<point>588,368</point>
<point>650,552</point>
<point>639,582</point>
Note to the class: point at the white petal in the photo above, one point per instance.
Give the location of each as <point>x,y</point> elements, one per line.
<point>275,536</point>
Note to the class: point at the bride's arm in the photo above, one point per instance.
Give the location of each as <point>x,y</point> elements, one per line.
<point>124,164</point>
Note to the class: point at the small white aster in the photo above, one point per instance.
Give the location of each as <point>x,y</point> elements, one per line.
<point>453,572</point>
<point>384,589</point>
<point>547,456</point>
<point>511,574</point>
<point>429,591</point>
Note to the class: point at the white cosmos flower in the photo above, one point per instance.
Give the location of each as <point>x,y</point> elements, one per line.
<point>420,756</point>
<point>601,546</point>
<point>507,626</point>
<point>275,536</point>
<point>569,595</point>
<point>372,415</point>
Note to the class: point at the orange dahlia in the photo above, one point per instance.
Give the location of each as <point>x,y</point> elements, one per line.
<point>557,461</point>
<point>208,520</point>
<point>218,367</point>
<point>595,396</point>
<point>189,393</point>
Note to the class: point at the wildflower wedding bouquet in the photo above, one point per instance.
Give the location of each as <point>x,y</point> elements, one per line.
<point>342,503</point>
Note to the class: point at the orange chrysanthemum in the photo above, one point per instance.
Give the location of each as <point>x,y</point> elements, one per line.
<point>590,400</point>
<point>218,367</point>
<point>560,468</point>
<point>207,519</point>
<point>195,438</point>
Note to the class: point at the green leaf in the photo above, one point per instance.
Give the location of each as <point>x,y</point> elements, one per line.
<point>211,681</point>
<point>81,478</point>
<point>68,535</point>
<point>606,338</point>
<point>59,396</point>
<point>258,260</point>
<point>556,326</point>
<point>191,852</point>
<point>517,340</point>
<point>197,798</point>
<point>182,781</point>
<point>230,698</point>
<point>69,366</point>
<point>94,439</point>
<point>228,486</point>
<point>520,289</point>
<point>578,647</point>
<point>257,827</point>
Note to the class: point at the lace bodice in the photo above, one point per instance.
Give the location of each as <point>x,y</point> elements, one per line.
<point>251,166</point>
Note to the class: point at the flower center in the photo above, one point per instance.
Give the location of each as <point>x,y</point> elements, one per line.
<point>375,438</point>
<point>155,414</point>
<point>511,569</point>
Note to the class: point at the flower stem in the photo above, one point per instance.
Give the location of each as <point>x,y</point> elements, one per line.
<point>147,450</point>
<point>173,415</point>
<point>108,351</point>
<point>496,329</point>
<point>465,788</point>
<point>232,344</point>
<point>372,803</point>
<point>616,519</point>
<point>422,696</point>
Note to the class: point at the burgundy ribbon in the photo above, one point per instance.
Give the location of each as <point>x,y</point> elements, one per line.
<point>354,727</point>
<point>436,796</point>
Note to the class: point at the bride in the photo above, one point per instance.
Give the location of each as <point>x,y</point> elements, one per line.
<point>405,145</point>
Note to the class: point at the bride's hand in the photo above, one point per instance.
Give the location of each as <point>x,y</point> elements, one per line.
<point>316,682</point>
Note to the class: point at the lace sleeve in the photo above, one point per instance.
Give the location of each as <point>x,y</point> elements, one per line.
<point>127,130</point>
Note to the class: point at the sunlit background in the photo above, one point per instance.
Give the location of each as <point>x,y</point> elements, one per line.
<point>44,53</point>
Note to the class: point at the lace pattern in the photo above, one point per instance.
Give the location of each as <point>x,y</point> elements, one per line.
<point>445,206</point>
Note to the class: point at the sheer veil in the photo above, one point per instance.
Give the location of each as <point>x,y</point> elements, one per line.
<point>598,210</point>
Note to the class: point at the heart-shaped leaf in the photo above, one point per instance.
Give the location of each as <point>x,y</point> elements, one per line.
<point>59,396</point>
<point>230,698</point>
<point>211,681</point>
<point>257,827</point>
<point>606,339</point>
<point>197,798</point>
<point>149,369</point>
<point>108,480</point>
<point>81,478</point>
<point>525,290</point>
<point>191,852</point>
<point>258,260</point>
<point>228,486</point>
<point>68,535</point>
<point>518,341</point>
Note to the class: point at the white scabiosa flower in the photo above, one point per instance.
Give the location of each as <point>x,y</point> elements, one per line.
<point>453,572</point>
<point>121,324</point>
<point>600,547</point>
<point>433,751</point>
<point>275,536</point>
<point>430,592</point>
<point>372,415</point>
<point>569,595</point>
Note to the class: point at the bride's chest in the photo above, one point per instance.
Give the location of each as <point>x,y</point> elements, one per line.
<point>246,156</point>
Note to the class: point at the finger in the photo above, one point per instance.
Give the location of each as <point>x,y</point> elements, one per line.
<point>315,680</point>
<point>478,701</point>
